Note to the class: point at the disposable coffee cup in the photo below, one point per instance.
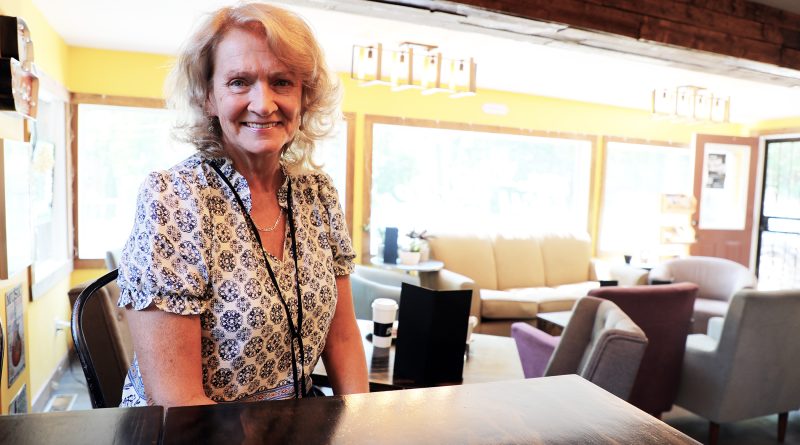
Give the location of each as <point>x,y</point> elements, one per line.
<point>473,321</point>
<point>384,311</point>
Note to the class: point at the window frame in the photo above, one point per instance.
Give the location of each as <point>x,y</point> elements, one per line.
<point>93,99</point>
<point>366,192</point>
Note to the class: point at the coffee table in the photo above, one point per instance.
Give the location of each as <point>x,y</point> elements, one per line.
<point>489,358</point>
<point>553,322</point>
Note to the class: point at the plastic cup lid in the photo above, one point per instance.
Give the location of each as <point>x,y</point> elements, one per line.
<point>384,303</point>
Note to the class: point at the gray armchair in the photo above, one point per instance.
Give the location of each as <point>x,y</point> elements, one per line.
<point>601,344</point>
<point>370,283</point>
<point>748,368</point>
<point>719,279</point>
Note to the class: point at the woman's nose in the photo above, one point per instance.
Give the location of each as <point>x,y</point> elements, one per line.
<point>262,101</point>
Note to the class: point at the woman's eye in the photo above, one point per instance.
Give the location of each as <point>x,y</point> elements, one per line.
<point>283,83</point>
<point>236,83</point>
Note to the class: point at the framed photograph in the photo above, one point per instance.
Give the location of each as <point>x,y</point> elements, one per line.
<point>677,203</point>
<point>19,404</point>
<point>15,333</point>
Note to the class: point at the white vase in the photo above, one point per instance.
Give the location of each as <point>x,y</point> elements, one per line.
<point>408,258</point>
<point>424,251</point>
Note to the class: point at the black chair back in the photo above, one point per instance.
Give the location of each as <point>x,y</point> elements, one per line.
<point>2,349</point>
<point>95,348</point>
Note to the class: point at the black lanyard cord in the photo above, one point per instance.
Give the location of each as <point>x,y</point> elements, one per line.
<point>294,330</point>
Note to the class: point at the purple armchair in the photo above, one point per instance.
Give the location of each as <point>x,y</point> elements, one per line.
<point>664,313</point>
<point>535,348</point>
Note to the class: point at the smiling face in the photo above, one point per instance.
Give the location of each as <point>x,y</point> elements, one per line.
<point>255,96</point>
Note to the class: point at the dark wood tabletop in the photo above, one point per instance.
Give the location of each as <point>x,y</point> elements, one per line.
<point>119,426</point>
<point>548,410</point>
<point>490,358</point>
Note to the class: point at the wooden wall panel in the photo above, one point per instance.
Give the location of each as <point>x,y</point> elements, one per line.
<point>737,28</point>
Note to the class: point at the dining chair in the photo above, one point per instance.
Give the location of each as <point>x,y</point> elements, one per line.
<point>102,339</point>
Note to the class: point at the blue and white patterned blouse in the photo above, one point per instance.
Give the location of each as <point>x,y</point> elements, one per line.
<point>191,252</point>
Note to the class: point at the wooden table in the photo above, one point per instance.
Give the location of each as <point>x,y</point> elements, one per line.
<point>99,426</point>
<point>490,358</point>
<point>548,410</point>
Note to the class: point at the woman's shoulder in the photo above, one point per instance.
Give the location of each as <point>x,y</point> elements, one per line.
<point>189,173</point>
<point>316,182</point>
<point>312,178</point>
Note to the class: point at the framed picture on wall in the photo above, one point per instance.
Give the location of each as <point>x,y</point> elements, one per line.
<point>15,333</point>
<point>19,404</point>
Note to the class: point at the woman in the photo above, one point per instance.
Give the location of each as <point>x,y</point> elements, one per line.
<point>237,267</point>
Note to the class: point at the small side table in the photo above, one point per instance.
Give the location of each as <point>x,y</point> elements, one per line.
<point>422,266</point>
<point>425,269</point>
<point>553,323</point>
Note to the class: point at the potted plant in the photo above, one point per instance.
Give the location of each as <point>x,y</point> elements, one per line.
<point>419,243</point>
<point>409,256</point>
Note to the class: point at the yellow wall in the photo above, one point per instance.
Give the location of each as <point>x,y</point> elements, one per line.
<point>83,275</point>
<point>117,73</point>
<point>788,125</point>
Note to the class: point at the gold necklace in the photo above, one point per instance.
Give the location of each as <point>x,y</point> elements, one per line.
<point>270,229</point>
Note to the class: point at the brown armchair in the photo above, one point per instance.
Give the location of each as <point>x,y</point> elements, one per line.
<point>664,313</point>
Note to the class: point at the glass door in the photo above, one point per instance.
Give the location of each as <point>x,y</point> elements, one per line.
<point>779,232</point>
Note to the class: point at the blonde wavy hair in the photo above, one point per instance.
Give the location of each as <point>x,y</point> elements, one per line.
<point>292,42</point>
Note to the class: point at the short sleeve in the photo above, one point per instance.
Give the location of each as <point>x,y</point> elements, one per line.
<point>164,261</point>
<point>341,245</point>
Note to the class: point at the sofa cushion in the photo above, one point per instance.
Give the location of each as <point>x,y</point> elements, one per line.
<point>567,258</point>
<point>519,262</point>
<point>704,309</point>
<point>559,298</point>
<point>497,304</point>
<point>468,255</point>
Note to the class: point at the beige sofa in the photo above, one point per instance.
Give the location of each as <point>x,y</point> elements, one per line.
<point>513,279</point>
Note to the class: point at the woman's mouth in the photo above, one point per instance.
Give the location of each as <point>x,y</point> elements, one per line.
<point>260,126</point>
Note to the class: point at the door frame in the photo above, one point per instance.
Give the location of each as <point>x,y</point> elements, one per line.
<point>699,142</point>
<point>758,211</point>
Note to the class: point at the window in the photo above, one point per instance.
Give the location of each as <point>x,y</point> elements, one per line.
<point>331,154</point>
<point>117,147</point>
<point>636,213</point>
<point>454,180</point>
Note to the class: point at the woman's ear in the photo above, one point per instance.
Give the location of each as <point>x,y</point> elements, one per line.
<point>210,105</point>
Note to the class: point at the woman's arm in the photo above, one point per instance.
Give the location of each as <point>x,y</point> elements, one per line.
<point>343,356</point>
<point>167,347</point>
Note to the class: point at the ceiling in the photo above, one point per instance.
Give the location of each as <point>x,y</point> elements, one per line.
<point>786,5</point>
<point>505,60</point>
